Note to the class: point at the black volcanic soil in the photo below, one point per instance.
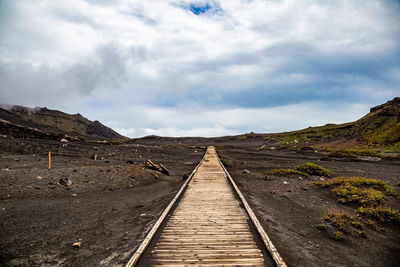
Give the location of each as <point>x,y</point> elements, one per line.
<point>109,207</point>
<point>289,208</point>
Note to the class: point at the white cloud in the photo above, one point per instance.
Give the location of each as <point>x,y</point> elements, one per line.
<point>244,61</point>
<point>218,122</point>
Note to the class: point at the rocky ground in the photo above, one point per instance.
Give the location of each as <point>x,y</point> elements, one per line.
<point>109,207</point>
<point>290,207</point>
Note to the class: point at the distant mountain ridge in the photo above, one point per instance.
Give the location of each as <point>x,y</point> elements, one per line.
<point>379,128</point>
<point>54,122</point>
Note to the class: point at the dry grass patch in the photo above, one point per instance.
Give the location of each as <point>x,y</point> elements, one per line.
<point>314,169</point>
<point>369,196</point>
<point>285,172</point>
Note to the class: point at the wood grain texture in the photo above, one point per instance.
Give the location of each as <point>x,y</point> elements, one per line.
<point>208,227</point>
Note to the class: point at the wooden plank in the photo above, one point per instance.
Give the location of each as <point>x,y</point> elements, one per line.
<point>208,228</point>
<point>152,232</point>
<point>208,225</point>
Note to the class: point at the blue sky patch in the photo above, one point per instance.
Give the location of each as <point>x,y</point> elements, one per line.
<point>197,9</point>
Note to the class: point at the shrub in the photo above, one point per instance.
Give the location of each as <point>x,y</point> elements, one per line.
<point>359,182</point>
<point>362,234</point>
<point>341,154</point>
<point>338,236</point>
<point>314,169</point>
<point>357,224</point>
<point>369,194</point>
<point>364,152</point>
<point>306,149</point>
<point>381,214</point>
<point>223,162</point>
<point>286,172</point>
<point>243,137</point>
<point>337,220</point>
<point>116,142</point>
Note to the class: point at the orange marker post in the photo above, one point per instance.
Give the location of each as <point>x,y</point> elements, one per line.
<point>49,160</point>
<point>95,158</point>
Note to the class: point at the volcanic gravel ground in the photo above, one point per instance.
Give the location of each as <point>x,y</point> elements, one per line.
<point>109,207</point>
<point>289,208</point>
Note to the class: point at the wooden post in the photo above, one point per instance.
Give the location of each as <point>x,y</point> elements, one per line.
<point>120,157</point>
<point>49,160</point>
<point>95,158</point>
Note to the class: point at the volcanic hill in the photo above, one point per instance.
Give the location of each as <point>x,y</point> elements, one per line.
<point>19,121</point>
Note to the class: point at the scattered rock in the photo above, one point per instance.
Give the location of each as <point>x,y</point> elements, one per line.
<point>304,188</point>
<point>63,140</point>
<point>322,179</point>
<point>37,187</point>
<point>285,182</point>
<point>77,244</point>
<point>245,171</point>
<point>74,195</point>
<point>39,177</point>
<point>300,178</point>
<point>130,162</point>
<point>65,181</point>
<point>185,176</point>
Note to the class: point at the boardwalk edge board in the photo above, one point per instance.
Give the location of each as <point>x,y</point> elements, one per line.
<point>182,226</point>
<point>267,241</point>
<point>136,256</point>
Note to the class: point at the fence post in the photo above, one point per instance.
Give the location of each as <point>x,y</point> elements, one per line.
<point>49,153</point>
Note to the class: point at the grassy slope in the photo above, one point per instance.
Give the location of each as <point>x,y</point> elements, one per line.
<point>379,128</point>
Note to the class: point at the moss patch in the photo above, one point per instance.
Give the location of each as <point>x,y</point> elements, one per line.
<point>314,169</point>
<point>286,172</point>
<point>369,195</point>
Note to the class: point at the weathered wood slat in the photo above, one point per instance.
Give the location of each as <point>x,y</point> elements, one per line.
<point>208,227</point>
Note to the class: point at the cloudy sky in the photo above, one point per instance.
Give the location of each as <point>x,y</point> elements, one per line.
<point>203,68</point>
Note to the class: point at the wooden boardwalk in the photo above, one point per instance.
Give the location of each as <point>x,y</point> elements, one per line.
<point>208,227</point>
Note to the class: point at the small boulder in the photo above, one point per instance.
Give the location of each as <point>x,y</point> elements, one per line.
<point>65,181</point>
